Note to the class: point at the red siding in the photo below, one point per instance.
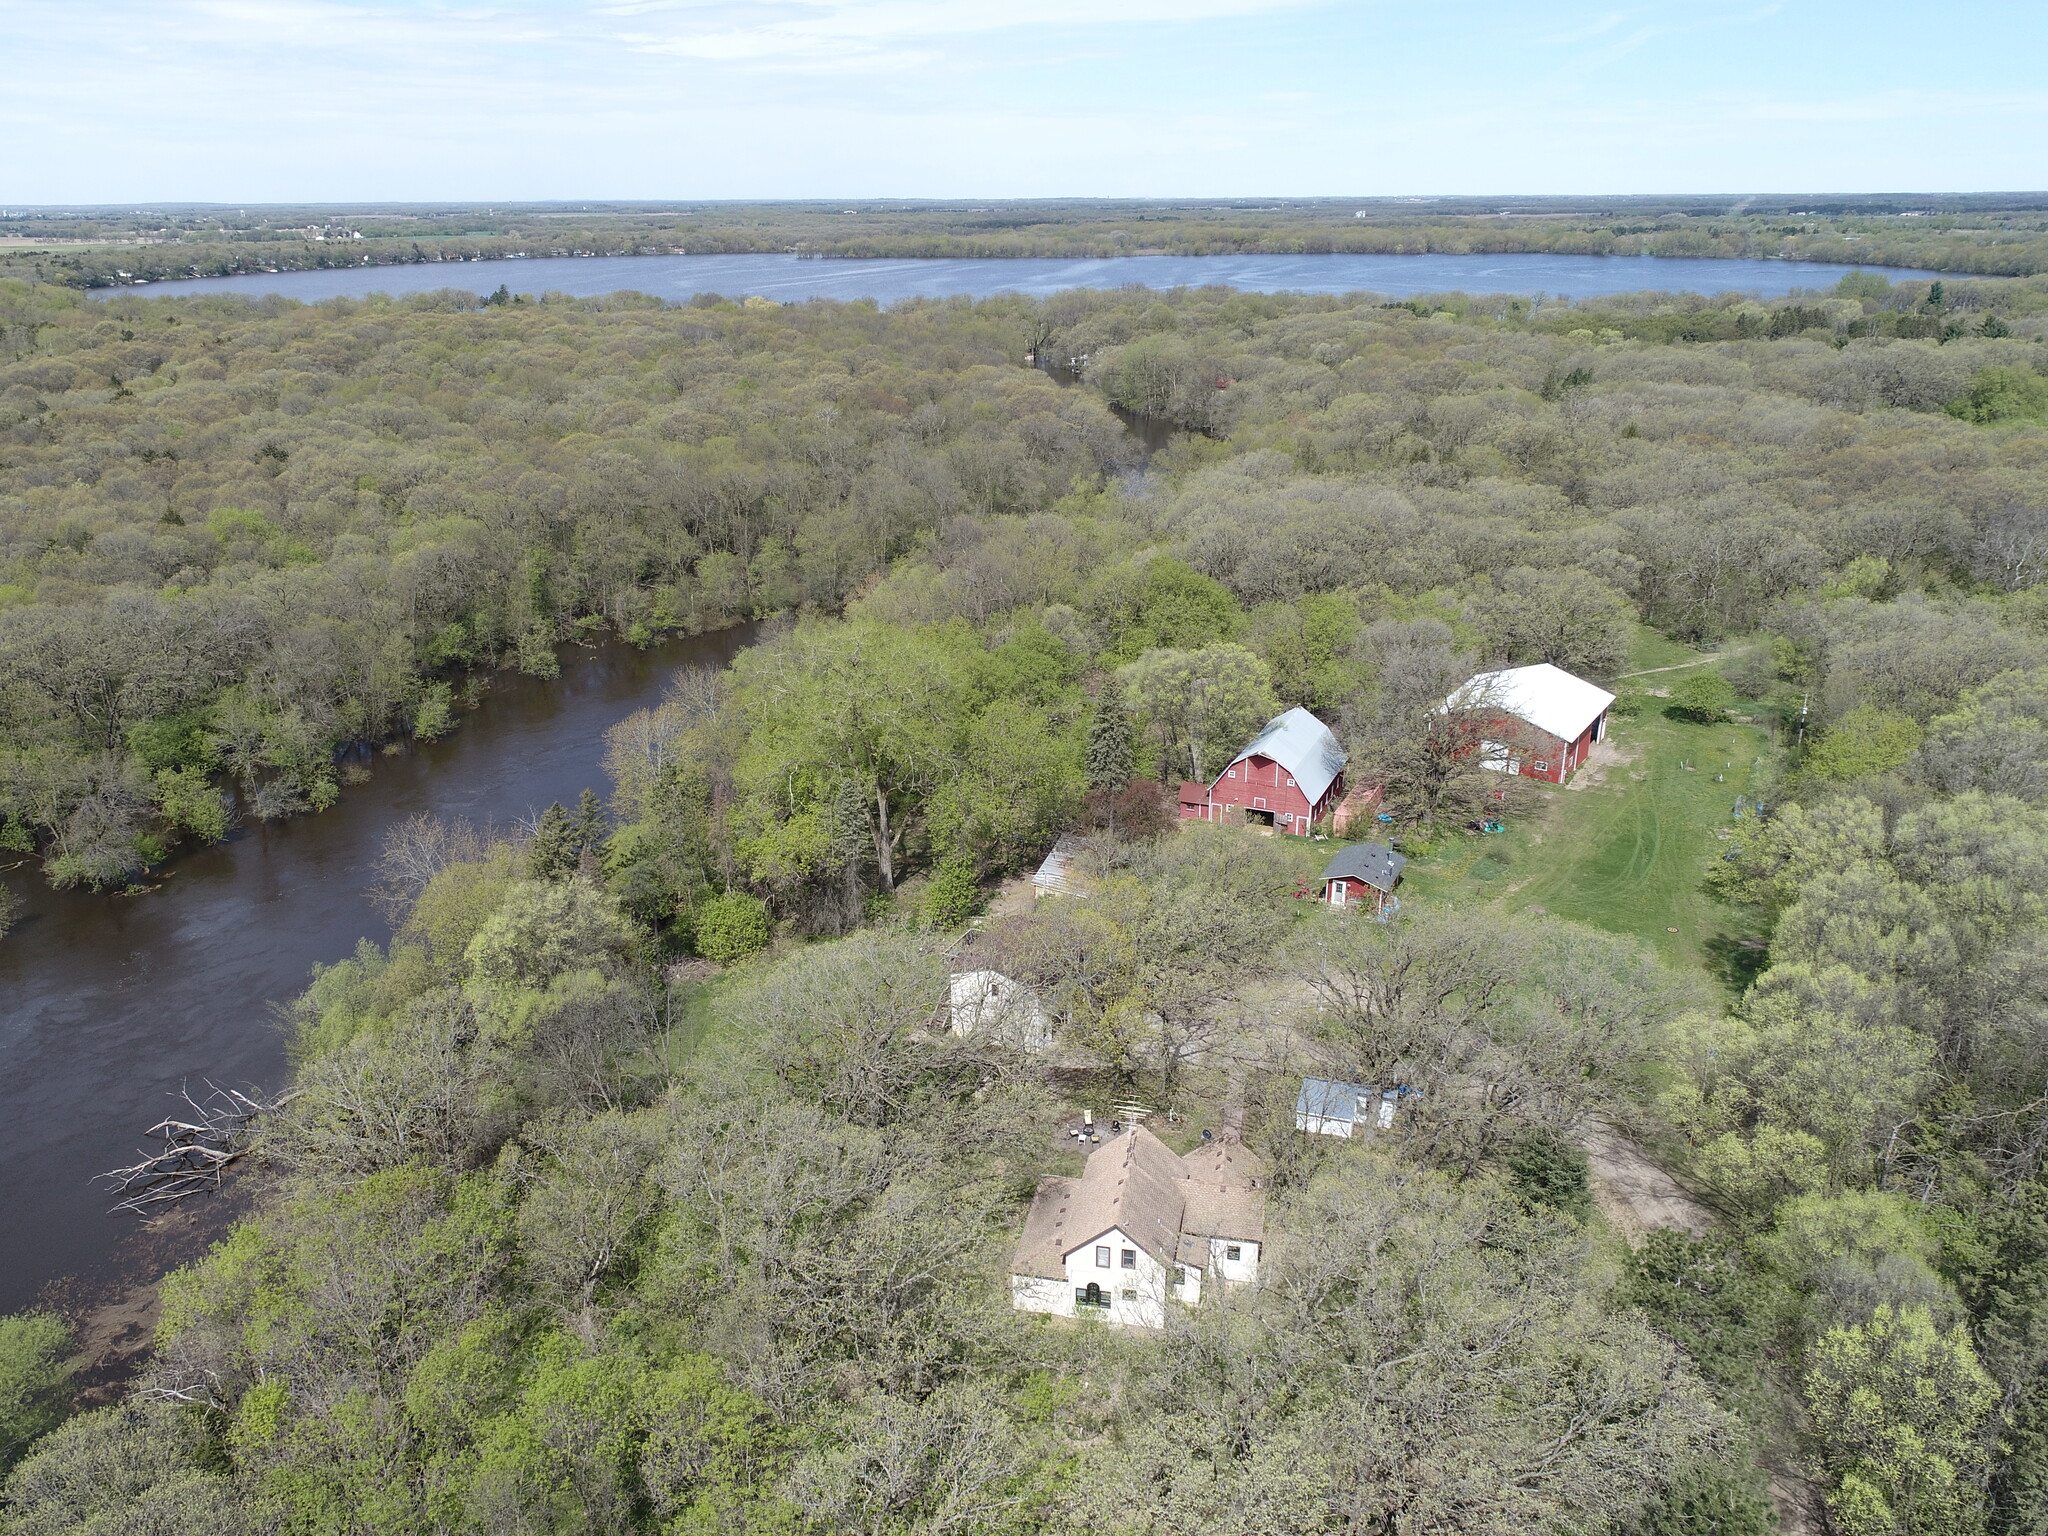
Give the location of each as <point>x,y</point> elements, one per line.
<point>1531,747</point>
<point>1356,892</point>
<point>1259,784</point>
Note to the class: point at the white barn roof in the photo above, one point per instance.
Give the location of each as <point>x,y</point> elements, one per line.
<point>1304,746</point>
<point>1548,697</point>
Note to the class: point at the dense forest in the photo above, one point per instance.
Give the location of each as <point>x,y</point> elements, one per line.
<point>1983,235</point>
<point>631,1186</point>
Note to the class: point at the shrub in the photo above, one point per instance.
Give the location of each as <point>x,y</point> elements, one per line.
<point>1705,1497</point>
<point>730,927</point>
<point>952,897</point>
<point>1547,1170</point>
<point>1702,698</point>
<point>32,1374</point>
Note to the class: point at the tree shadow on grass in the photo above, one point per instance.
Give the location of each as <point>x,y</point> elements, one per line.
<point>1736,962</point>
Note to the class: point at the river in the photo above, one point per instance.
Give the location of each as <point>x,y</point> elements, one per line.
<point>791,279</point>
<point>111,1003</point>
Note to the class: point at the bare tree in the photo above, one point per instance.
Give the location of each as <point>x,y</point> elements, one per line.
<point>2012,547</point>
<point>419,848</point>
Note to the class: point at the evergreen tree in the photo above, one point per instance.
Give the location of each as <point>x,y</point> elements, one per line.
<point>1109,740</point>
<point>555,846</point>
<point>590,828</point>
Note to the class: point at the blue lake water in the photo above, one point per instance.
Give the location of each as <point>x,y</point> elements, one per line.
<point>793,278</point>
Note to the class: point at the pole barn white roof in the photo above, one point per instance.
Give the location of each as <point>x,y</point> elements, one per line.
<point>1548,697</point>
<point>1301,744</point>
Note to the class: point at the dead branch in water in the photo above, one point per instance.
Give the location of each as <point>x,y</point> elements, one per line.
<point>196,1153</point>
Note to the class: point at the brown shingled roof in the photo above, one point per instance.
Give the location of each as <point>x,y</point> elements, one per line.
<point>1169,1206</point>
<point>1223,1191</point>
<point>1040,1251</point>
<point>1131,1183</point>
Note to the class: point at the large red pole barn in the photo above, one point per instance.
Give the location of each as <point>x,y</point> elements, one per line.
<point>1541,721</point>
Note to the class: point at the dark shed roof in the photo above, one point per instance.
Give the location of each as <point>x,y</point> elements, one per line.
<point>1377,865</point>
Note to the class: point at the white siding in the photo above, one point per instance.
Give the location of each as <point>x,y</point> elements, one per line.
<point>990,1003</point>
<point>1241,1270</point>
<point>1033,1293</point>
<point>1137,1295</point>
<point>1321,1125</point>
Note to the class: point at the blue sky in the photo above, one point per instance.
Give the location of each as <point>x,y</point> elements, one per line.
<point>336,100</point>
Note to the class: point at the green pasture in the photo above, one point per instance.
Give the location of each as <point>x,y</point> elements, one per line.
<point>1626,854</point>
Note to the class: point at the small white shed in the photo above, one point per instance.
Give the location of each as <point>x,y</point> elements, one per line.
<point>1327,1108</point>
<point>999,1008</point>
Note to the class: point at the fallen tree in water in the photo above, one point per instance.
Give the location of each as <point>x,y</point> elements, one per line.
<point>196,1154</point>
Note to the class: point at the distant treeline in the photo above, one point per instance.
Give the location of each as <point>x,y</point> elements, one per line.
<point>2010,242</point>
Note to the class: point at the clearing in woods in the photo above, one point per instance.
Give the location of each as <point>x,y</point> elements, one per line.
<point>1626,850</point>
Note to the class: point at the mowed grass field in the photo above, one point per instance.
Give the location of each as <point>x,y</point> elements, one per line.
<point>1626,851</point>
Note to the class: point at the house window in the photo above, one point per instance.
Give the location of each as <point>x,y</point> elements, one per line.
<point>1187,1274</point>
<point>1130,1258</point>
<point>1290,783</point>
<point>1540,767</point>
<point>1102,1258</point>
<point>1230,773</point>
<point>1233,1252</point>
<point>1129,1294</point>
<point>1091,1295</point>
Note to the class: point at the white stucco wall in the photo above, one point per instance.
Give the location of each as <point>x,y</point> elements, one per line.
<point>1242,1270</point>
<point>1034,1293</point>
<point>1137,1296</point>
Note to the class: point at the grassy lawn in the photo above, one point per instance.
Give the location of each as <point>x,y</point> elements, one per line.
<point>1626,854</point>
<point>1651,650</point>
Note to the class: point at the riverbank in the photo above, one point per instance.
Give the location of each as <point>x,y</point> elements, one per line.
<point>114,1005</point>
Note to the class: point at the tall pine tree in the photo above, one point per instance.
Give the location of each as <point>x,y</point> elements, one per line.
<point>1109,740</point>
<point>553,853</point>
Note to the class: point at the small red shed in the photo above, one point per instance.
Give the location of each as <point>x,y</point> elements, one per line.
<point>1543,720</point>
<point>1364,874</point>
<point>1289,777</point>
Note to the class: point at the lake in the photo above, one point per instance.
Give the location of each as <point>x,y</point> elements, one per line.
<point>791,279</point>
<point>113,1003</point>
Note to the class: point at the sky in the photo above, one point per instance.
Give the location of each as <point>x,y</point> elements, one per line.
<point>115,101</point>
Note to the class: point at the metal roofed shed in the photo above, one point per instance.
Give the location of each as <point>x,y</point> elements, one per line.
<point>1058,876</point>
<point>1304,746</point>
<point>1548,697</point>
<point>1328,1108</point>
<point>1547,720</point>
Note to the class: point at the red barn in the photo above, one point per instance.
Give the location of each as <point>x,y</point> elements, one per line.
<point>1290,776</point>
<point>1543,720</point>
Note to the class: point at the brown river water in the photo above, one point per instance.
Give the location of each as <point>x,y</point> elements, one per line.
<point>108,1005</point>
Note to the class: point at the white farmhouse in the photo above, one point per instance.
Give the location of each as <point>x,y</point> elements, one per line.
<point>992,1005</point>
<point>1139,1226</point>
